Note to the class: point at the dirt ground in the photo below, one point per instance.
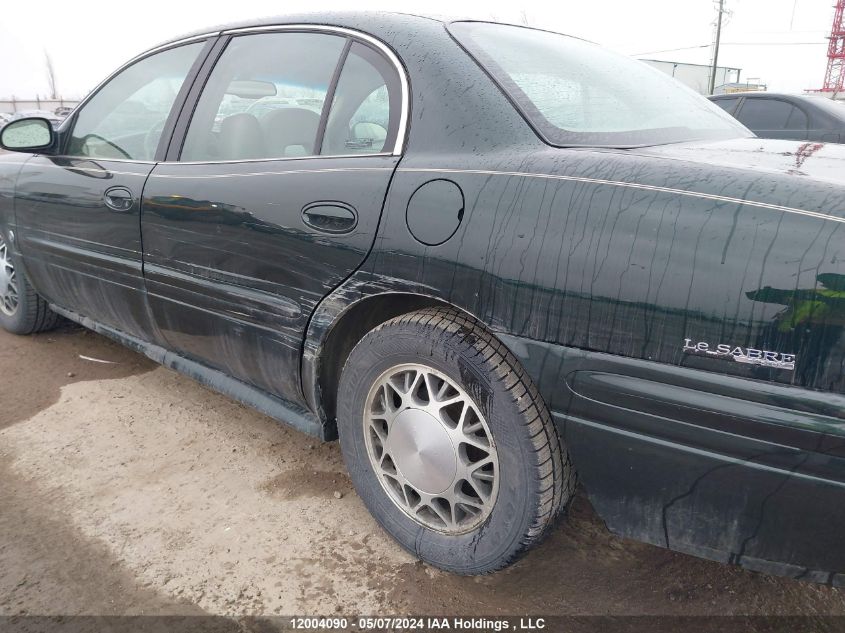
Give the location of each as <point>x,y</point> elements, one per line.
<point>128,489</point>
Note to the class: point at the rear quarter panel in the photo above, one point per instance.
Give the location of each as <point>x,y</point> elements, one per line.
<point>596,268</point>
<point>589,250</point>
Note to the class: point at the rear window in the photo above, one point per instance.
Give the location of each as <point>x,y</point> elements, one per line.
<point>575,93</point>
<point>831,106</point>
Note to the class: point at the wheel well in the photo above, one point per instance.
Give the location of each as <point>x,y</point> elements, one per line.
<point>350,328</point>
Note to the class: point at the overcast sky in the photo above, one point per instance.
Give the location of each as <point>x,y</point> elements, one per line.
<point>781,42</point>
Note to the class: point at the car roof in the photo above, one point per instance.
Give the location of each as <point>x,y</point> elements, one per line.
<point>347,19</point>
<point>386,23</point>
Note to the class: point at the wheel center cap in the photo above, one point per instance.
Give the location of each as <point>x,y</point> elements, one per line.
<point>423,451</point>
<point>5,278</point>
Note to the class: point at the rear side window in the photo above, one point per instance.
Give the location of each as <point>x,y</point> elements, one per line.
<point>765,114</point>
<point>798,120</point>
<point>264,98</point>
<point>288,95</point>
<point>365,106</point>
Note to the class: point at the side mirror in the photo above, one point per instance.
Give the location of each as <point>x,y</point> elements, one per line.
<point>27,135</point>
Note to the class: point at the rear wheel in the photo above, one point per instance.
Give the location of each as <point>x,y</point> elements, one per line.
<point>22,311</point>
<point>449,443</point>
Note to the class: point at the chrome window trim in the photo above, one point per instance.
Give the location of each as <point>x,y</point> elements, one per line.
<point>385,50</point>
<point>254,174</point>
<point>277,159</point>
<point>98,158</point>
<point>223,162</point>
<point>364,37</point>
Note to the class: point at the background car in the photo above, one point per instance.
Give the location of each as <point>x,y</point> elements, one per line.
<point>795,117</point>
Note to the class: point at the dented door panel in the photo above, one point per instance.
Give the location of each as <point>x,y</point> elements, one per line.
<point>233,272</point>
<point>80,253</point>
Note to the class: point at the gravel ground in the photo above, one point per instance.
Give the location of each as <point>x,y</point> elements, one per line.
<point>128,489</point>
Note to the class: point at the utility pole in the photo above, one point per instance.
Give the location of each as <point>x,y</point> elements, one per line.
<point>716,47</point>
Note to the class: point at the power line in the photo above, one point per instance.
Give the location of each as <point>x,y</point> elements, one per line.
<point>688,48</point>
<point>774,43</point>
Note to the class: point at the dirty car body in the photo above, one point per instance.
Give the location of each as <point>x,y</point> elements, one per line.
<point>679,303</point>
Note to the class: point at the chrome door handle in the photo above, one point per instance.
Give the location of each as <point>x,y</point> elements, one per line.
<point>119,199</point>
<point>330,217</point>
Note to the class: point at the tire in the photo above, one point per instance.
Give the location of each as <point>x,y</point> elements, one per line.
<point>22,310</point>
<point>513,474</point>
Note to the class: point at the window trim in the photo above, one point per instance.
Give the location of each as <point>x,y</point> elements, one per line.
<point>329,102</point>
<point>352,35</point>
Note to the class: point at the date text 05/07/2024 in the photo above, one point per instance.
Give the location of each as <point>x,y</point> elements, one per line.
<point>422,623</point>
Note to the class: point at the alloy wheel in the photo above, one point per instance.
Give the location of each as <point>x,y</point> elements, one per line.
<point>9,297</point>
<point>431,448</point>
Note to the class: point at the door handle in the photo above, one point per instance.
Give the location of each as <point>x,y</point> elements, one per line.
<point>330,217</point>
<point>119,199</point>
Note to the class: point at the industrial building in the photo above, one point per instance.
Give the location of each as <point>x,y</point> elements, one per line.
<point>697,76</point>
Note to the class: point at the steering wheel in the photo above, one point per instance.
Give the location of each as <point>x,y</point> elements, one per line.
<point>107,142</point>
<point>151,139</point>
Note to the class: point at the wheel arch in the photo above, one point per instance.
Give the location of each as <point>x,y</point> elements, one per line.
<point>334,332</point>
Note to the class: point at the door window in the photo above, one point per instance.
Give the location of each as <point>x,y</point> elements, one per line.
<point>765,114</point>
<point>798,120</point>
<point>728,105</point>
<point>264,98</point>
<point>365,104</point>
<point>126,117</point>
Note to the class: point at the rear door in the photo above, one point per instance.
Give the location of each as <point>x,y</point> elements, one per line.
<point>270,197</point>
<point>78,213</point>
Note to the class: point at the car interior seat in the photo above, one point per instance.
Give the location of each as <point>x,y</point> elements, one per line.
<point>290,131</point>
<point>241,137</point>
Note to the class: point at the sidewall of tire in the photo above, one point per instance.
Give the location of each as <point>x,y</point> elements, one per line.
<point>499,538</point>
<point>19,322</point>
<point>33,314</point>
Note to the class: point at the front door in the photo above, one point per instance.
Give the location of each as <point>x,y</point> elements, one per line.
<point>274,200</point>
<point>78,214</point>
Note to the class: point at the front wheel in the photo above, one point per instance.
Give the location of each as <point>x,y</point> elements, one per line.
<point>22,311</point>
<point>448,442</point>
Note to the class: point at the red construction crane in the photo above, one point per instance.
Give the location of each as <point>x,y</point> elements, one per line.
<point>834,78</point>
